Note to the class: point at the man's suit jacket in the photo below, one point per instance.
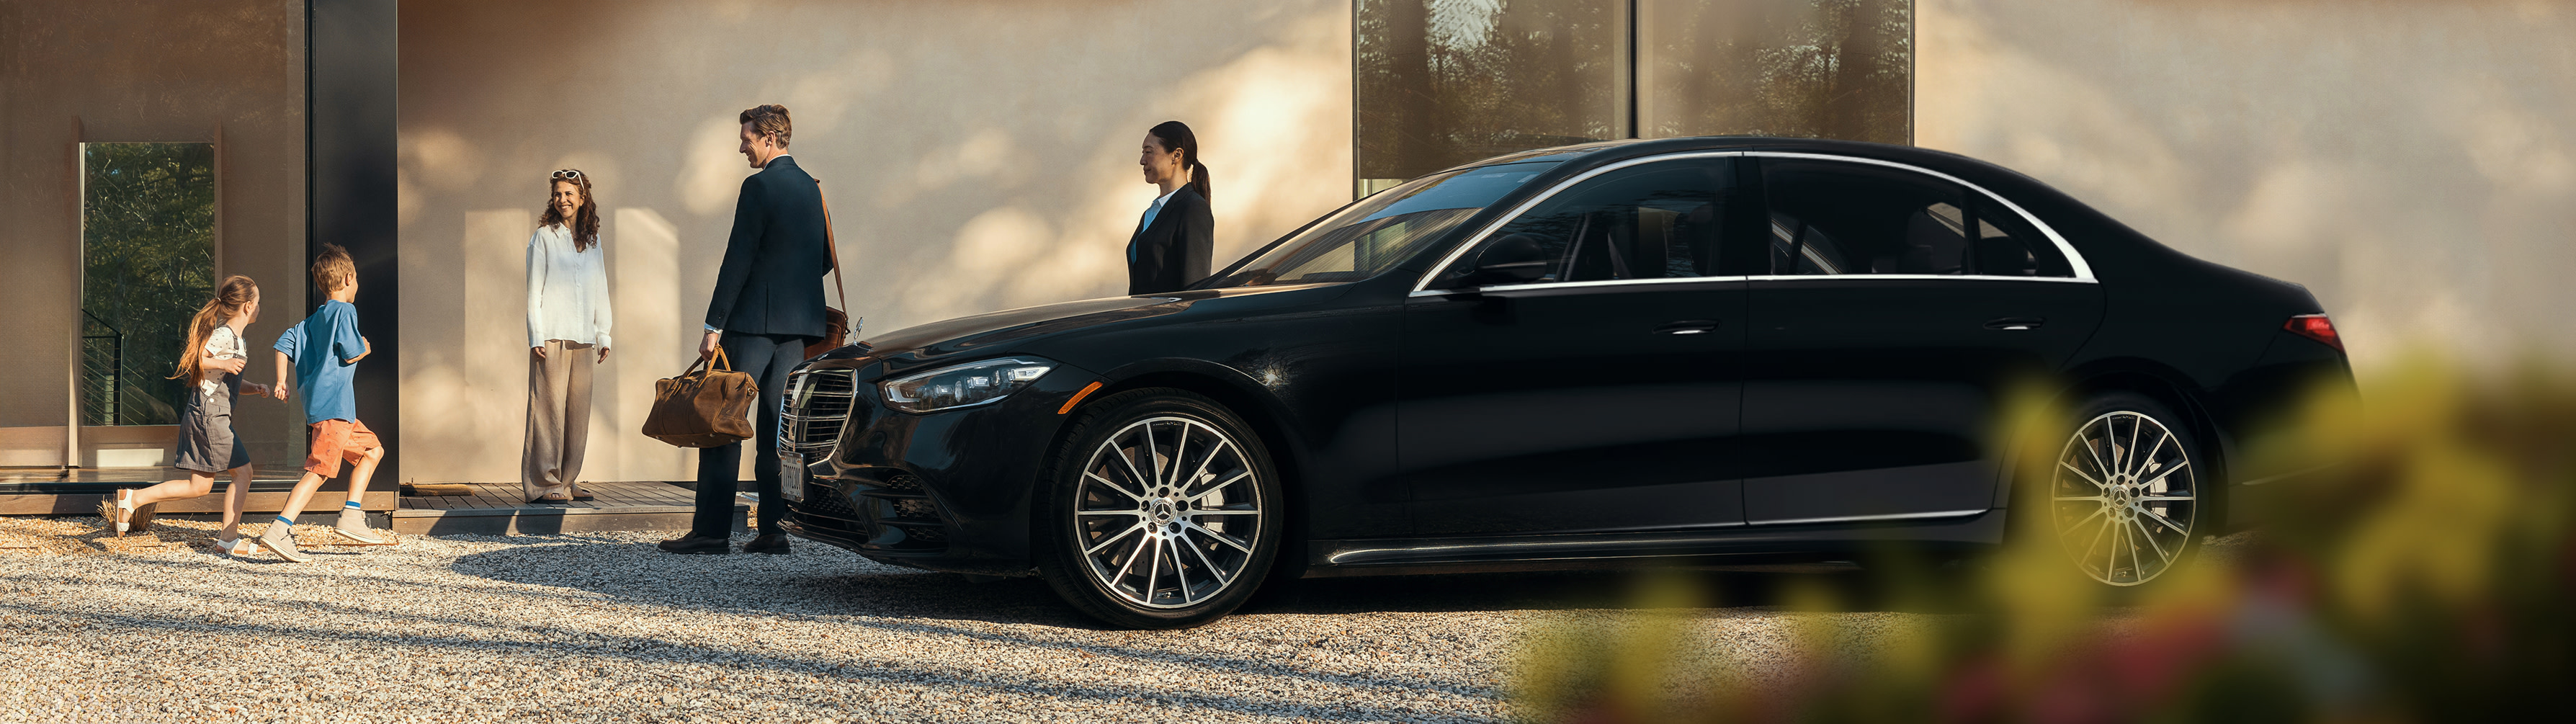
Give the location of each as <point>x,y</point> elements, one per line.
<point>772,280</point>
<point>1173,251</point>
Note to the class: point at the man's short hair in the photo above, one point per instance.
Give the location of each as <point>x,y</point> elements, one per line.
<point>333,268</point>
<point>768,120</point>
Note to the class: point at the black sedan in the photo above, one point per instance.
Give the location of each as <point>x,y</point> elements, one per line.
<point>1704,351</point>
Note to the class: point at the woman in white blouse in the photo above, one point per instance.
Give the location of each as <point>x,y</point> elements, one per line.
<point>567,318</point>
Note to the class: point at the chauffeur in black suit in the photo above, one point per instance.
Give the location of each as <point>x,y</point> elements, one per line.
<point>1172,243</point>
<point>768,305</point>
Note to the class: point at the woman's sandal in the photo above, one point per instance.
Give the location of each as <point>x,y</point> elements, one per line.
<point>583,495</point>
<point>118,509</point>
<point>541,500</point>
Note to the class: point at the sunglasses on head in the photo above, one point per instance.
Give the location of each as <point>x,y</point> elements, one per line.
<point>568,173</point>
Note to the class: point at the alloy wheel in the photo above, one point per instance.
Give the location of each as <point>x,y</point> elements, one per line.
<point>1168,511</point>
<point>2125,498</point>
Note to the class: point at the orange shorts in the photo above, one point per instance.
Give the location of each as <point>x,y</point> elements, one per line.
<point>337,440</point>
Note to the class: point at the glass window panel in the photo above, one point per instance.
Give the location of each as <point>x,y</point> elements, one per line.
<point>1848,218</point>
<point>1380,231</point>
<point>1805,68</point>
<point>2006,246</point>
<point>1657,221</point>
<point>147,263</point>
<point>1447,82</point>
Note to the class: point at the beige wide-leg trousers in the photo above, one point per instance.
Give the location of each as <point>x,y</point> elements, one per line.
<point>558,418</point>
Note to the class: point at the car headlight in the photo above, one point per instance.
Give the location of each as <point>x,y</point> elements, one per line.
<point>965,385</point>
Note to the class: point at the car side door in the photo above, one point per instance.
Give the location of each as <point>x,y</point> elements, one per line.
<point>1593,397</point>
<point>1900,307</point>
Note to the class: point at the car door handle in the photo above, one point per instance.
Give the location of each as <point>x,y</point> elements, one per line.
<point>1688,326</point>
<point>2016,323</point>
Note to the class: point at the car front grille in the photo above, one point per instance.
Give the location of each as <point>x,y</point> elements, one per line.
<point>817,405</point>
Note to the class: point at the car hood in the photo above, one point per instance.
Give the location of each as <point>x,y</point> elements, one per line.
<point>997,332</point>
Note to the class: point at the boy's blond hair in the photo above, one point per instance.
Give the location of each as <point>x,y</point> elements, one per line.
<point>333,269</point>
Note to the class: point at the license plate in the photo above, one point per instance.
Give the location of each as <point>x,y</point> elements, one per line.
<point>791,478</point>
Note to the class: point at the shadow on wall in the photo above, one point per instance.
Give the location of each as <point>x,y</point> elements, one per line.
<point>977,156</point>
<point>2412,163</point>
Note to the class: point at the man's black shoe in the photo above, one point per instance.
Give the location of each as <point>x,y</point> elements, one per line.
<point>695,544</point>
<point>773,544</point>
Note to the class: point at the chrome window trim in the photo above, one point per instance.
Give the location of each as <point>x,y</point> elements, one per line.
<point>1856,277</point>
<point>2083,271</point>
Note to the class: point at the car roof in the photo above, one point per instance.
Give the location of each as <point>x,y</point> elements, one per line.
<point>1584,155</point>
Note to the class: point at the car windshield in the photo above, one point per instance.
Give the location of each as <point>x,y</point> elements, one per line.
<point>1382,230</point>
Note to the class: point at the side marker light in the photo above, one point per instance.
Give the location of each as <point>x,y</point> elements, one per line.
<point>1077,398</point>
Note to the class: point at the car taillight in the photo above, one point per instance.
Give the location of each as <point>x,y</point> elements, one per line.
<point>2316,327</point>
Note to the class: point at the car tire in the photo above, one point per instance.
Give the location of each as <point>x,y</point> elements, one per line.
<point>2128,495</point>
<point>1160,509</point>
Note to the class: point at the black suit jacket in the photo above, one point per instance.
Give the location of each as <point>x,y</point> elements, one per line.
<point>1173,251</point>
<point>772,280</point>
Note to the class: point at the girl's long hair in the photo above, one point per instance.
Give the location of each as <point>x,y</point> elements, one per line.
<point>236,292</point>
<point>1177,135</point>
<point>585,219</point>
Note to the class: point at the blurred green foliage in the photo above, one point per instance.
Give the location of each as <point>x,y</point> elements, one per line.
<point>147,263</point>
<point>2423,571</point>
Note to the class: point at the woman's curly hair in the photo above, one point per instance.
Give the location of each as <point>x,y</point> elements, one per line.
<point>585,221</point>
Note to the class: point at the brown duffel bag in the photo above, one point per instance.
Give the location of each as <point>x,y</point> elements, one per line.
<point>706,406</point>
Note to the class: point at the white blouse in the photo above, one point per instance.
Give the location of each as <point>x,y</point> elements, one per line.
<point>221,344</point>
<point>567,290</point>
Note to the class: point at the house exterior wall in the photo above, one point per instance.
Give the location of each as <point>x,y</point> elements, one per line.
<point>228,71</point>
<point>977,154</point>
<point>2414,164</point>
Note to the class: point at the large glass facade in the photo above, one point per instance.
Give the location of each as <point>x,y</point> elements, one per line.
<point>1444,82</point>
<point>1807,68</point>
<point>147,262</point>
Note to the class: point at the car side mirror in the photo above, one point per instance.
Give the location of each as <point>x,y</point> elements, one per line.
<point>1516,259</point>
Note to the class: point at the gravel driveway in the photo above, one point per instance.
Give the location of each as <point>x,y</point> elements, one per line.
<point>604,628</point>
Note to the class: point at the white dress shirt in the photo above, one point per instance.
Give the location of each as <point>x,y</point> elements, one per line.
<point>567,290</point>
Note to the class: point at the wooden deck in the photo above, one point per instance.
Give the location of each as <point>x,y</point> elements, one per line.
<point>500,509</point>
<point>485,508</point>
<point>54,491</point>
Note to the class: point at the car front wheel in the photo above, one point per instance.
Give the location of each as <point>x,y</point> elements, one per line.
<point>1160,510</point>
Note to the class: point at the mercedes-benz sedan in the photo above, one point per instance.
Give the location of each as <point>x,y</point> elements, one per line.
<point>1704,351</point>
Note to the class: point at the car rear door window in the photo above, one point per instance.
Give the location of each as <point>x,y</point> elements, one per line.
<point>1655,221</point>
<point>1831,218</point>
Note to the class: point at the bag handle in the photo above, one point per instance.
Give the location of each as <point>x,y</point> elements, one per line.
<point>832,245</point>
<point>721,364</point>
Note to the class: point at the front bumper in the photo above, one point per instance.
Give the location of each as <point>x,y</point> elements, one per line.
<point>946,491</point>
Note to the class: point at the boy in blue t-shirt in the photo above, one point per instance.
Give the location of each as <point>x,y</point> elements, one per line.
<point>324,351</point>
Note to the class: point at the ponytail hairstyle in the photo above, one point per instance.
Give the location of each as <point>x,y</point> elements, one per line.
<point>236,292</point>
<point>1177,135</point>
<point>585,221</point>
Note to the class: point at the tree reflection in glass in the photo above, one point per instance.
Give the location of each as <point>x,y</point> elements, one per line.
<point>147,262</point>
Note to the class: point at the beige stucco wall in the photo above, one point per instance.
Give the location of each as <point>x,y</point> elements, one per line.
<point>2412,163</point>
<point>71,71</point>
<point>978,155</point>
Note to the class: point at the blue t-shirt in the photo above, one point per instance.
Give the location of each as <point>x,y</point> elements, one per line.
<point>320,347</point>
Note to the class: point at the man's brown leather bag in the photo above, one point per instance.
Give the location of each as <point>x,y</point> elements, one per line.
<point>706,406</point>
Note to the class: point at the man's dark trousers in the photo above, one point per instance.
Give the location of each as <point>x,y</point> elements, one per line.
<point>767,357</point>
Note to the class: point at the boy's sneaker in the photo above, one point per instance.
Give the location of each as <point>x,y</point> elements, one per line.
<point>354,525</point>
<point>280,539</point>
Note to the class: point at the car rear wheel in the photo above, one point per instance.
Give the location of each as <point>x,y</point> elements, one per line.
<point>1161,510</point>
<point>2127,496</point>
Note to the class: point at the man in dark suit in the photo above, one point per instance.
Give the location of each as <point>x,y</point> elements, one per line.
<point>768,305</point>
